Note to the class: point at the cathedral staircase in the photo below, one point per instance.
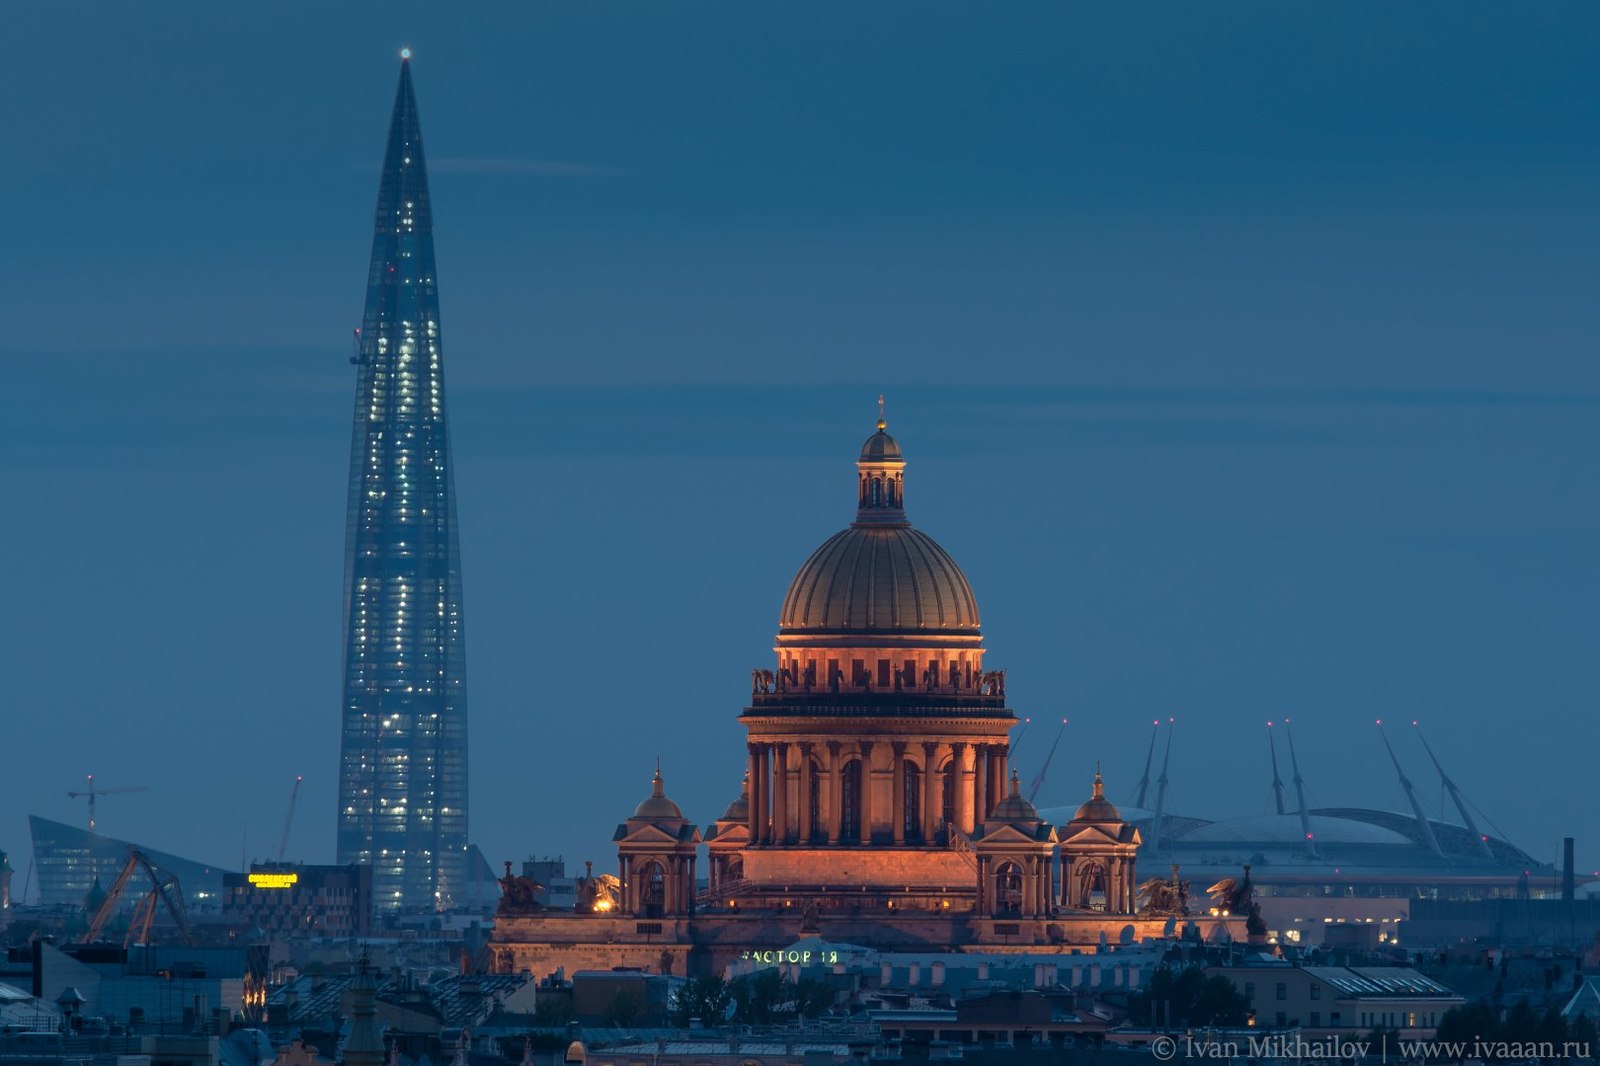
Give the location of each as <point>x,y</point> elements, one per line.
<point>961,844</point>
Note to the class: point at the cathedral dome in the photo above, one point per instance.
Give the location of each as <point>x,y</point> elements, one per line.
<point>880,445</point>
<point>880,575</point>
<point>657,805</point>
<point>1098,808</point>
<point>885,578</point>
<point>1014,807</point>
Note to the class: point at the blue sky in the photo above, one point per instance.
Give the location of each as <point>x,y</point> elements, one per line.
<point>1244,357</point>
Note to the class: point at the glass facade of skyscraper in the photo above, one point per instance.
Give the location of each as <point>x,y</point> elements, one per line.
<point>403,752</point>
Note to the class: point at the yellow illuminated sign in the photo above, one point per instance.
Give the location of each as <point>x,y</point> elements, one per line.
<point>274,880</point>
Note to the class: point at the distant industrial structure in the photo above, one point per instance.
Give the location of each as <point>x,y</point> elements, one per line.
<point>69,863</point>
<point>1323,873</point>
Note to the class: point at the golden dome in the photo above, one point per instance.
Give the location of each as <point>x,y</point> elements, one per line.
<point>1014,808</point>
<point>880,447</point>
<point>739,809</point>
<point>880,578</point>
<point>880,575</point>
<point>1098,808</point>
<point>657,805</point>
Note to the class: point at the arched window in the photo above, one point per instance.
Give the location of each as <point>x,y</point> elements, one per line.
<point>850,801</point>
<point>1092,885</point>
<point>877,492</point>
<point>911,801</point>
<point>1008,889</point>
<point>653,891</point>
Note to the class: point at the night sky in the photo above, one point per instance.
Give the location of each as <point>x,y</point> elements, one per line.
<point>1243,355</point>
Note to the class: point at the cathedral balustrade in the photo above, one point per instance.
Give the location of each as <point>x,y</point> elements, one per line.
<point>987,685</point>
<point>879,705</point>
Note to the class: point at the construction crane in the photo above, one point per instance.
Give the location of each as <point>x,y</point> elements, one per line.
<point>92,792</point>
<point>288,819</point>
<point>1038,781</point>
<point>164,889</point>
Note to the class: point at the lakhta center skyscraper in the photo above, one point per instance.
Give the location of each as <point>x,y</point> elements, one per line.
<point>403,750</point>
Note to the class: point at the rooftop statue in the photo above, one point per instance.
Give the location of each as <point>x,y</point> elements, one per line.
<point>1163,895</point>
<point>518,895</point>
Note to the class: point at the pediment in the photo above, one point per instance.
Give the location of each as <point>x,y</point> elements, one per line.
<point>729,835</point>
<point>648,836</point>
<point>1007,835</point>
<point>1093,835</point>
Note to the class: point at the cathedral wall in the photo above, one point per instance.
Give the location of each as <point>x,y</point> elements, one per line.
<point>882,869</point>
<point>710,943</point>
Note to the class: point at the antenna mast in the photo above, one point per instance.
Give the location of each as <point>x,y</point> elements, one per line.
<point>1411,794</point>
<point>1277,782</point>
<point>1300,793</point>
<point>1456,797</point>
<point>1144,782</point>
<point>1161,788</point>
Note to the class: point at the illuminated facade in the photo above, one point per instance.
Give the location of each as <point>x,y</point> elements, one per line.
<point>403,750</point>
<point>308,901</point>
<point>877,807</point>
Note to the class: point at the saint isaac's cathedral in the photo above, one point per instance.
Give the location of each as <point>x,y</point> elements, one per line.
<point>877,807</point>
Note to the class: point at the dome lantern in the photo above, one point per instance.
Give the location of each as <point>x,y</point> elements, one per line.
<point>880,477</point>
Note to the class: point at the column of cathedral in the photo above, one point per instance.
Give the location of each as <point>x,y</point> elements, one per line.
<point>866,792</point>
<point>803,800</point>
<point>758,777</point>
<point>835,793</point>
<point>963,785</point>
<point>897,801</point>
<point>980,782</point>
<point>931,798</point>
<point>780,794</point>
<point>1001,773</point>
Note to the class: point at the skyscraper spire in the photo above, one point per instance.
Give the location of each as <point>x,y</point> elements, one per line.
<point>403,751</point>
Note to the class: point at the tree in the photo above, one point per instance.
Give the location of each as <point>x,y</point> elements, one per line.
<point>1464,1024</point>
<point>1218,1001</point>
<point>812,997</point>
<point>760,997</point>
<point>1552,1028</point>
<point>1582,1032</point>
<point>550,1012</point>
<point>1383,1041</point>
<point>705,998</point>
<point>1188,997</point>
<point>1521,1024</point>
